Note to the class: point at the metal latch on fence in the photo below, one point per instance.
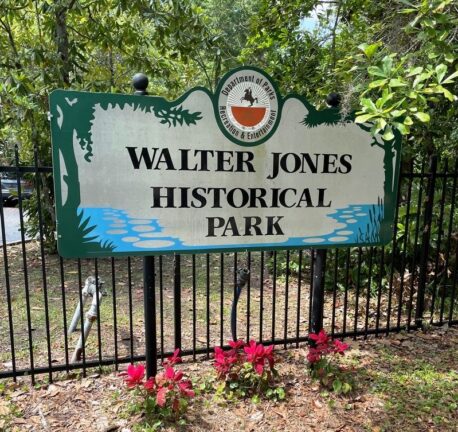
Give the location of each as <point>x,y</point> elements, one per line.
<point>90,290</point>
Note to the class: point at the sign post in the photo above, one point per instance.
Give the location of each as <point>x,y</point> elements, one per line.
<point>319,265</point>
<point>140,83</point>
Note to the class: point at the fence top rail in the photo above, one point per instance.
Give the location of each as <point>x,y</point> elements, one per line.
<point>25,169</point>
<point>410,175</point>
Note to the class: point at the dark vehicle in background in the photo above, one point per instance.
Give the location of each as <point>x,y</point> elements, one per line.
<point>10,189</point>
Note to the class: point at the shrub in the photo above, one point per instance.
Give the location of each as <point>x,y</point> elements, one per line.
<point>322,358</point>
<point>247,370</point>
<point>163,397</point>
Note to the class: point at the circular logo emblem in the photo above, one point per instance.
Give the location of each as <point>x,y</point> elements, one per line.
<point>247,110</point>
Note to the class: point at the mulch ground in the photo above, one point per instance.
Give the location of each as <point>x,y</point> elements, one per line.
<point>405,382</point>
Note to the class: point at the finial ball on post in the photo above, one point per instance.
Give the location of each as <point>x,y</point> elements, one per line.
<point>140,83</point>
<point>333,100</point>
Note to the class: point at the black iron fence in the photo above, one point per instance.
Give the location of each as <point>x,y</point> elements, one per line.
<point>406,284</point>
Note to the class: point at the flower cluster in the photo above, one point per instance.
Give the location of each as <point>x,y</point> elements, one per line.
<point>324,346</point>
<point>323,368</point>
<point>167,393</point>
<point>247,369</point>
<point>169,388</point>
<point>260,357</point>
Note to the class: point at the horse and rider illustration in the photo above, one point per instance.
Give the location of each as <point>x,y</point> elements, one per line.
<point>249,97</point>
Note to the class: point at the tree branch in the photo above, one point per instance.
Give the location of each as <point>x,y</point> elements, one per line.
<point>7,28</point>
<point>334,31</point>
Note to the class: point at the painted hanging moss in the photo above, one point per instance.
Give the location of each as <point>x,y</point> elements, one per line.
<point>170,114</point>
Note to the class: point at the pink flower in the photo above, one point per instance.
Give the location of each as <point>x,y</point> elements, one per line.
<point>269,354</point>
<point>172,375</point>
<point>135,375</point>
<point>253,351</point>
<point>258,355</point>
<point>237,344</point>
<point>313,355</point>
<point>186,388</point>
<point>320,339</point>
<point>340,347</point>
<point>174,359</point>
<point>149,385</point>
<point>161,396</point>
<point>224,360</point>
<point>161,379</point>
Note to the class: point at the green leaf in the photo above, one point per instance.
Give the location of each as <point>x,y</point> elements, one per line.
<point>397,83</point>
<point>405,130</point>
<point>441,70</point>
<point>449,57</point>
<point>388,135</point>
<point>408,121</point>
<point>377,83</point>
<point>423,117</point>
<point>381,123</point>
<point>337,385</point>
<point>374,70</point>
<point>387,95</point>
<point>369,50</point>
<point>397,113</point>
<point>415,71</point>
<point>364,118</point>
<point>445,92</point>
<point>450,78</point>
<point>281,393</point>
<point>367,103</point>
<point>256,399</point>
<point>420,78</point>
<point>387,63</point>
<point>346,388</point>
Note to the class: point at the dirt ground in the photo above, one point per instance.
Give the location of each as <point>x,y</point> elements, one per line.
<point>407,382</point>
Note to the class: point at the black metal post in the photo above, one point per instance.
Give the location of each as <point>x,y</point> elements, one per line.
<point>428,217</point>
<point>177,299</point>
<point>140,83</point>
<point>149,293</point>
<point>319,266</point>
<point>319,263</point>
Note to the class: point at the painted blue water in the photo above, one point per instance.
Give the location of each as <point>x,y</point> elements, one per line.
<point>129,234</point>
<point>357,226</point>
<point>126,233</point>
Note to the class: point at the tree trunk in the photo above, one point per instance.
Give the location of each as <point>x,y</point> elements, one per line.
<point>62,40</point>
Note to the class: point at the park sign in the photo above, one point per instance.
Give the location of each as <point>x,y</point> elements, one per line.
<point>239,169</point>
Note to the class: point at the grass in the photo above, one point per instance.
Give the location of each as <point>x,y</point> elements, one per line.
<point>8,408</point>
<point>416,389</point>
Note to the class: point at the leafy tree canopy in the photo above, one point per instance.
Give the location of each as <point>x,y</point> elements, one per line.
<point>393,62</point>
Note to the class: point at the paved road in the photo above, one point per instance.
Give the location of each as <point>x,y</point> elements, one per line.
<point>12,225</point>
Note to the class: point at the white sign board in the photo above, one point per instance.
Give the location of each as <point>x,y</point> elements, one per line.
<point>242,168</point>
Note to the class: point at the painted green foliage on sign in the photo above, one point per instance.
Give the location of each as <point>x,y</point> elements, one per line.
<point>72,117</point>
<point>391,149</point>
<point>76,114</point>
